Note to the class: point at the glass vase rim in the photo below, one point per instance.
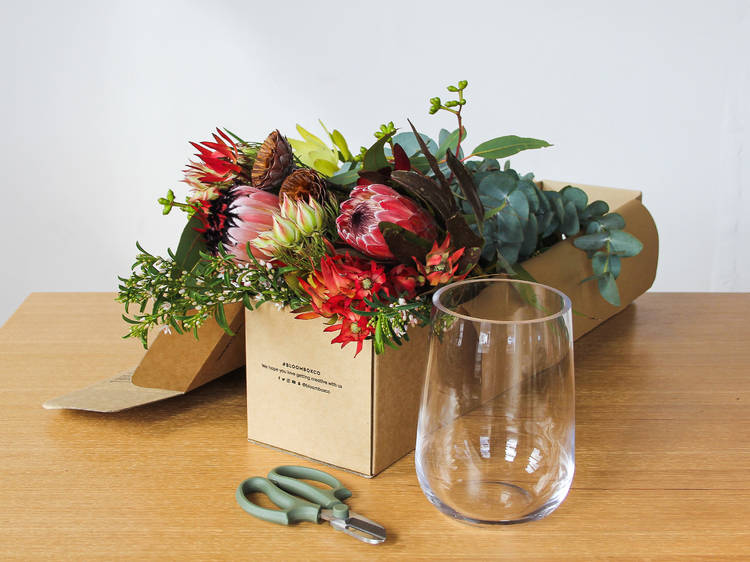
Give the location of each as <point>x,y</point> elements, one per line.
<point>564,309</point>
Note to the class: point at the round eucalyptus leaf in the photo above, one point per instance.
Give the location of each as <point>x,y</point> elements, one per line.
<point>409,143</point>
<point>575,195</point>
<point>551,223</point>
<point>608,289</point>
<point>612,221</point>
<point>591,241</point>
<point>595,210</point>
<point>570,225</point>
<point>510,252</point>
<point>556,202</point>
<point>625,244</point>
<point>509,228</point>
<point>603,262</point>
<point>520,204</point>
<point>530,237</point>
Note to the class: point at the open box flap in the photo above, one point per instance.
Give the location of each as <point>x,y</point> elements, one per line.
<point>173,365</point>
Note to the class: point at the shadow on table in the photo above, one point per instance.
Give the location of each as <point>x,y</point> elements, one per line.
<point>222,400</point>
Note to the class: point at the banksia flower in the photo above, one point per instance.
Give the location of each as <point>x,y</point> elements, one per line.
<point>371,204</point>
<point>440,264</point>
<point>303,184</point>
<point>273,162</point>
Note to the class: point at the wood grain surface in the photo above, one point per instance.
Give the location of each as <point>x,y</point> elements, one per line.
<point>663,452</point>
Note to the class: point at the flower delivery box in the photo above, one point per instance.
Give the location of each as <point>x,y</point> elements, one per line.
<point>311,398</point>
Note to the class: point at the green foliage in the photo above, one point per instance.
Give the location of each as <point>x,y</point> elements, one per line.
<point>502,147</point>
<point>391,318</point>
<point>192,244</point>
<point>316,154</point>
<point>339,142</point>
<point>183,300</point>
<point>375,156</point>
<point>522,220</point>
<point>347,175</point>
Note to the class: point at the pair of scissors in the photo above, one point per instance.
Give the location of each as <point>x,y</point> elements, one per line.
<point>317,506</point>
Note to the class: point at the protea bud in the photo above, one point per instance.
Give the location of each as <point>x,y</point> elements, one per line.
<point>273,162</point>
<point>309,217</point>
<point>302,184</point>
<point>284,232</point>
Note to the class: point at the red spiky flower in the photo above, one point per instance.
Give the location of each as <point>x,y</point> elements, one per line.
<point>218,163</point>
<point>440,264</point>
<point>341,284</point>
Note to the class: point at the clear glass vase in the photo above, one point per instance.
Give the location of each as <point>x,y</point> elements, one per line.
<point>496,435</point>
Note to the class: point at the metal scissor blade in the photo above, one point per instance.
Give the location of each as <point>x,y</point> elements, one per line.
<point>356,526</point>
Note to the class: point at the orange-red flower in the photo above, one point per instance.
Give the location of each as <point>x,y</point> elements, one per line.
<point>440,264</point>
<point>352,328</point>
<point>217,163</point>
<point>341,284</point>
<point>404,280</point>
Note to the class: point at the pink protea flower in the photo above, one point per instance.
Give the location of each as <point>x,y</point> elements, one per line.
<point>235,218</point>
<point>369,205</point>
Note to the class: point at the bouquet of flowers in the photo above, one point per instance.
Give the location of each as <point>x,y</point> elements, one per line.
<point>362,240</point>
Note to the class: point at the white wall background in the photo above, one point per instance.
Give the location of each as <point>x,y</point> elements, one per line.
<point>99,99</point>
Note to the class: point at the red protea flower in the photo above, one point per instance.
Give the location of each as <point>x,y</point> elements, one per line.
<point>235,218</point>
<point>217,164</point>
<point>404,280</point>
<point>369,205</point>
<point>440,264</point>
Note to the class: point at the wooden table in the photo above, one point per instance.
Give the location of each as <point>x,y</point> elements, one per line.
<point>663,452</point>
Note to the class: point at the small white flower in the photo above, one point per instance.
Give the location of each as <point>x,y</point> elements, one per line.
<point>402,301</point>
<point>167,330</point>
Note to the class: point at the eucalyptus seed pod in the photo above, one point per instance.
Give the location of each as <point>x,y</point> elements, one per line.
<point>302,184</point>
<point>273,163</point>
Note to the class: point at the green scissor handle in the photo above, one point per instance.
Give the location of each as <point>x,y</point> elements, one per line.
<point>292,509</point>
<point>290,479</point>
<point>285,479</point>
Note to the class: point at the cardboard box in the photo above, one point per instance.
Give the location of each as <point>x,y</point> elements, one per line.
<point>314,399</point>
<point>173,365</point>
